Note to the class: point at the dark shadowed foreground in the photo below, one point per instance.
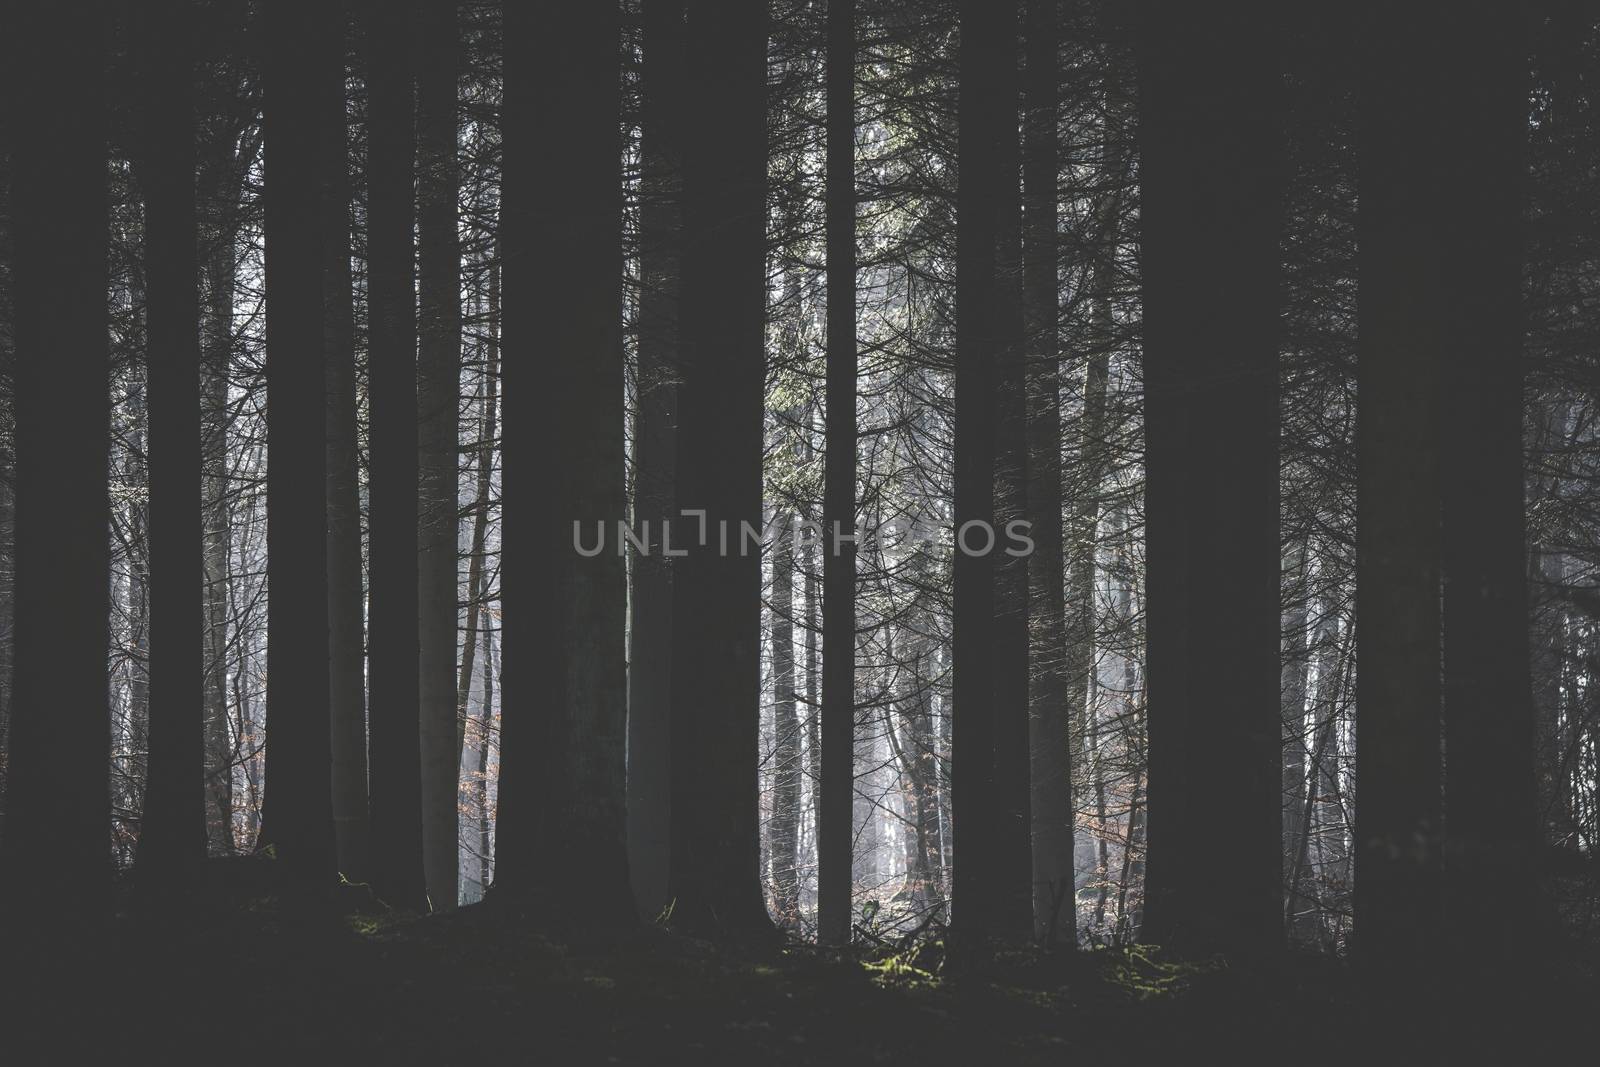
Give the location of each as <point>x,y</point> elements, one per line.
<point>242,981</point>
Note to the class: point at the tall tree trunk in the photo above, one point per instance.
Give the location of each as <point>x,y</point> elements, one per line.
<point>58,809</point>
<point>834,835</point>
<point>481,786</point>
<point>394,722</point>
<point>299,812</point>
<point>988,32</point>
<point>1013,854</point>
<point>562,828</point>
<point>1293,682</point>
<point>1403,305</point>
<point>654,456</point>
<point>784,858</point>
<point>1328,821</point>
<point>1049,735</point>
<point>716,678</point>
<point>172,834</point>
<point>346,610</point>
<point>1490,793</point>
<point>438,447</point>
<point>1210,173</point>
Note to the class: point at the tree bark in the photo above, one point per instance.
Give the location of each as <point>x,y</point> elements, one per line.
<point>1210,172</point>
<point>562,828</point>
<point>654,455</point>
<point>172,833</point>
<point>393,616</point>
<point>1049,735</point>
<point>1492,821</point>
<point>438,447</point>
<point>346,607</point>
<point>834,830</point>
<point>1293,683</point>
<point>716,679</point>
<point>987,39</point>
<point>58,810</point>
<point>1013,865</point>
<point>784,857</point>
<point>299,805</point>
<point>1403,305</point>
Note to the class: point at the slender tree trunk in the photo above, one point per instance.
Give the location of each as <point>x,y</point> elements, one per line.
<point>8,466</point>
<point>716,678</point>
<point>1328,821</point>
<point>1210,174</point>
<point>219,180</point>
<point>481,786</point>
<point>394,722</point>
<point>299,812</point>
<point>1049,736</point>
<point>438,447</point>
<point>172,835</point>
<point>346,610</point>
<point>1293,683</point>
<point>987,37</point>
<point>839,490</point>
<point>654,456</point>
<point>58,809</point>
<point>562,790</point>
<point>784,858</point>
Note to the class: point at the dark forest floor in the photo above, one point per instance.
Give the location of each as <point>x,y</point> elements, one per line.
<point>234,981</point>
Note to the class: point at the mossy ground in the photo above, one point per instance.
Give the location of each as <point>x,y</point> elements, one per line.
<point>237,981</point>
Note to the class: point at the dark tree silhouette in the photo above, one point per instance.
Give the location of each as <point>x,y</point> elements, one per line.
<point>298,44</point>
<point>562,830</point>
<point>988,37</point>
<point>716,683</point>
<point>1050,768</point>
<point>655,453</point>
<point>392,617</point>
<point>1012,852</point>
<point>1404,181</point>
<point>834,830</point>
<point>172,832</point>
<point>347,638</point>
<point>55,863</point>
<point>1210,172</point>
<point>438,390</point>
<point>1490,796</point>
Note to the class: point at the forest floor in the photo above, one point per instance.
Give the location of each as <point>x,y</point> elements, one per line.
<point>235,982</point>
